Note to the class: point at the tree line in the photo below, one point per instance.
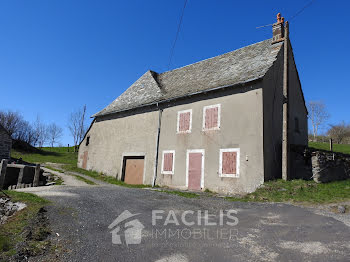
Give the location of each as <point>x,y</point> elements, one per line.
<point>38,133</point>
<point>319,116</point>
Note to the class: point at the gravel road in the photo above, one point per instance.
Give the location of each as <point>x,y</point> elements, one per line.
<point>80,216</point>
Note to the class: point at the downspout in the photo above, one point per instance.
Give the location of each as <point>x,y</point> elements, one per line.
<point>160,111</point>
<point>285,140</point>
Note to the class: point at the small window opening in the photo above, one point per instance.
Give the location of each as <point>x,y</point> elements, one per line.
<point>87,141</point>
<point>296,125</point>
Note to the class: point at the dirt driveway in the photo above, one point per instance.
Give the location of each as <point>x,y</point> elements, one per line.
<point>80,217</point>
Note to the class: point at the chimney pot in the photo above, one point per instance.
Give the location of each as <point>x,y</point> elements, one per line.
<point>278,29</point>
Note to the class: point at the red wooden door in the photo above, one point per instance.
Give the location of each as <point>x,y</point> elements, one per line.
<point>194,170</point>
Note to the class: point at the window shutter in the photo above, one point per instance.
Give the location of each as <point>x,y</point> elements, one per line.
<point>184,121</point>
<point>211,117</point>
<point>215,113</point>
<point>168,162</point>
<point>207,118</point>
<point>229,162</point>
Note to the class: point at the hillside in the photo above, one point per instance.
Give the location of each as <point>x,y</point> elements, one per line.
<point>341,148</point>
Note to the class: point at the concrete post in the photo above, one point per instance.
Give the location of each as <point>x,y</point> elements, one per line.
<point>285,142</point>
<point>331,144</point>
<point>3,166</point>
<point>20,177</point>
<point>36,175</point>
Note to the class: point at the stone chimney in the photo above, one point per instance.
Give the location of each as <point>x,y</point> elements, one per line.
<point>278,29</point>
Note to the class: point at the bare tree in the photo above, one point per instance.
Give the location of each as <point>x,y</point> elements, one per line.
<point>339,132</point>
<point>24,132</point>
<point>54,132</point>
<point>17,127</point>
<point>40,132</point>
<point>11,121</point>
<point>77,126</point>
<point>318,115</point>
<point>41,135</point>
<point>82,126</point>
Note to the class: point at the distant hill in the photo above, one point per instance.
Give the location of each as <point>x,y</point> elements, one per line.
<point>24,147</point>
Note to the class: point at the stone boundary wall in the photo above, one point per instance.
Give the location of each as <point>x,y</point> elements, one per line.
<point>320,165</point>
<point>328,166</point>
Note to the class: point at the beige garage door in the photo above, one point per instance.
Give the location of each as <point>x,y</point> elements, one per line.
<point>133,169</point>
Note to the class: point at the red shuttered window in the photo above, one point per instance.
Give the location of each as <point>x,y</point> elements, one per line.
<point>211,117</point>
<point>184,121</point>
<point>168,162</point>
<point>229,162</point>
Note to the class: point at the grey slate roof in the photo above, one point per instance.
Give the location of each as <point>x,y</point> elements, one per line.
<point>240,66</point>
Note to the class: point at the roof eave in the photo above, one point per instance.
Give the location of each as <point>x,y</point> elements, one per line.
<point>180,97</point>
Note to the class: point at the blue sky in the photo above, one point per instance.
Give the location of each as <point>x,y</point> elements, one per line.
<point>56,56</point>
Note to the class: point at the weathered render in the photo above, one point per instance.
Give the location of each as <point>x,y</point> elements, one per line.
<point>272,105</point>
<point>113,137</point>
<point>241,127</point>
<point>5,144</point>
<point>215,124</point>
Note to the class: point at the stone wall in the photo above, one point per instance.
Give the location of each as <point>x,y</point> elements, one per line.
<point>300,162</point>
<point>320,165</point>
<point>5,144</point>
<point>328,166</point>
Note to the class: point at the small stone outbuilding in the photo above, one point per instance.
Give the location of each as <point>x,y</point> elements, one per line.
<point>5,144</point>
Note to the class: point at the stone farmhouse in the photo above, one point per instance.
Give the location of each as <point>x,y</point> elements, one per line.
<point>5,144</point>
<point>216,124</point>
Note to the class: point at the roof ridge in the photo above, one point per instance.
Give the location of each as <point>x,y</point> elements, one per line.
<point>214,57</point>
<point>232,68</point>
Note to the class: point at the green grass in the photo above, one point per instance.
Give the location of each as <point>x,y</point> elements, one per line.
<point>11,231</point>
<point>341,148</point>
<point>100,176</point>
<point>87,181</point>
<point>180,193</point>
<point>114,181</point>
<point>209,191</point>
<point>48,154</point>
<point>275,191</point>
<point>299,191</point>
<point>60,181</point>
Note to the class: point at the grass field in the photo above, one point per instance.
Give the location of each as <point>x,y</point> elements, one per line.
<point>345,149</point>
<point>11,232</point>
<point>275,191</point>
<point>299,191</point>
<point>62,155</point>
